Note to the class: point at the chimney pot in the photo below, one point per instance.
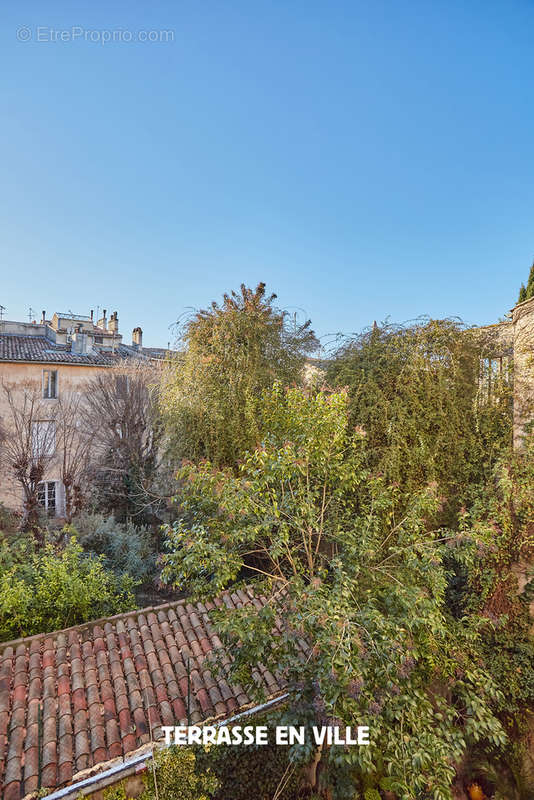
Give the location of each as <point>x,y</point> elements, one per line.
<point>102,322</point>
<point>43,318</point>
<point>137,338</point>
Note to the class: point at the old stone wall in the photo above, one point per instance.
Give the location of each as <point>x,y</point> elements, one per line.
<point>523,324</point>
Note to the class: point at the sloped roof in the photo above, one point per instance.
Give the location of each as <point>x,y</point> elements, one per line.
<point>15,347</point>
<point>25,347</point>
<point>102,686</point>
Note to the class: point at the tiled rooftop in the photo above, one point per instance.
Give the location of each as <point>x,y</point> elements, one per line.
<point>99,687</point>
<point>15,347</point>
<point>20,347</point>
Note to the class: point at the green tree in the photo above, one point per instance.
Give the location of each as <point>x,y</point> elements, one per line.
<point>498,588</point>
<point>355,584</point>
<point>530,283</point>
<point>49,589</point>
<point>417,391</point>
<point>526,292</point>
<point>228,354</point>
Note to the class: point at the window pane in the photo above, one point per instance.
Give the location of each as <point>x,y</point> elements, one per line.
<point>51,504</point>
<point>41,494</point>
<point>53,383</point>
<point>45,383</point>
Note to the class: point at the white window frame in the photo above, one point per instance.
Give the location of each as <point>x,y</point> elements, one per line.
<point>46,384</point>
<point>47,497</point>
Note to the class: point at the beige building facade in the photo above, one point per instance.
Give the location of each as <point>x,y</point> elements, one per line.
<point>50,359</point>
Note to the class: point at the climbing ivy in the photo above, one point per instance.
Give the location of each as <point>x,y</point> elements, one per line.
<point>428,411</point>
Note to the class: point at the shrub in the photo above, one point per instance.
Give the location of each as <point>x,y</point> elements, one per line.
<point>46,589</point>
<point>172,775</point>
<point>259,771</point>
<point>220,772</point>
<point>175,775</point>
<point>127,549</point>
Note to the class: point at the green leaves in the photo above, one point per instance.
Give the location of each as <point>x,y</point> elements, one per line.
<point>355,582</point>
<point>48,590</point>
<point>416,391</point>
<point>229,354</point>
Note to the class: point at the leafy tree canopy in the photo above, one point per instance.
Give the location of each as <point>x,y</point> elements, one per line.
<point>354,573</point>
<point>229,353</point>
<point>526,292</point>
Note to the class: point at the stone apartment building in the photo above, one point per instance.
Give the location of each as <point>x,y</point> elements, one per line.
<point>59,355</point>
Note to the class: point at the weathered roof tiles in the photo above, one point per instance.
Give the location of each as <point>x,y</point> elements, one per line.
<point>38,348</point>
<point>84,696</point>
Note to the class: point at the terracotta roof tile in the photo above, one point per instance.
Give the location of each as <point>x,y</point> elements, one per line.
<point>102,686</point>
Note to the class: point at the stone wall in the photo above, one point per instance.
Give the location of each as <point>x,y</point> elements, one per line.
<point>523,324</point>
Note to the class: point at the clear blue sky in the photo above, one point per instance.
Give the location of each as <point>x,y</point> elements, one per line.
<point>364,159</point>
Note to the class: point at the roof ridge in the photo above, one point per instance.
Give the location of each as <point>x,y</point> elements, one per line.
<point>27,335</point>
<point>92,622</point>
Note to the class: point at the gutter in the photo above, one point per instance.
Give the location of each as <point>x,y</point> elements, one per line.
<point>100,780</point>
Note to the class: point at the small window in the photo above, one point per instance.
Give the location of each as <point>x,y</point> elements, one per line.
<point>46,497</point>
<point>50,383</point>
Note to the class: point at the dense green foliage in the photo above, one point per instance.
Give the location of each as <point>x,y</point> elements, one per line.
<point>228,355</point>
<point>173,774</point>
<point>353,568</point>
<point>258,771</point>
<point>50,588</point>
<point>498,589</point>
<point>416,391</point>
<point>221,773</point>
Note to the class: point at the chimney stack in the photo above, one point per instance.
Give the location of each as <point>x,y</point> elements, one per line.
<point>43,318</point>
<point>92,312</point>
<point>102,322</point>
<point>137,338</point>
<point>114,322</point>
